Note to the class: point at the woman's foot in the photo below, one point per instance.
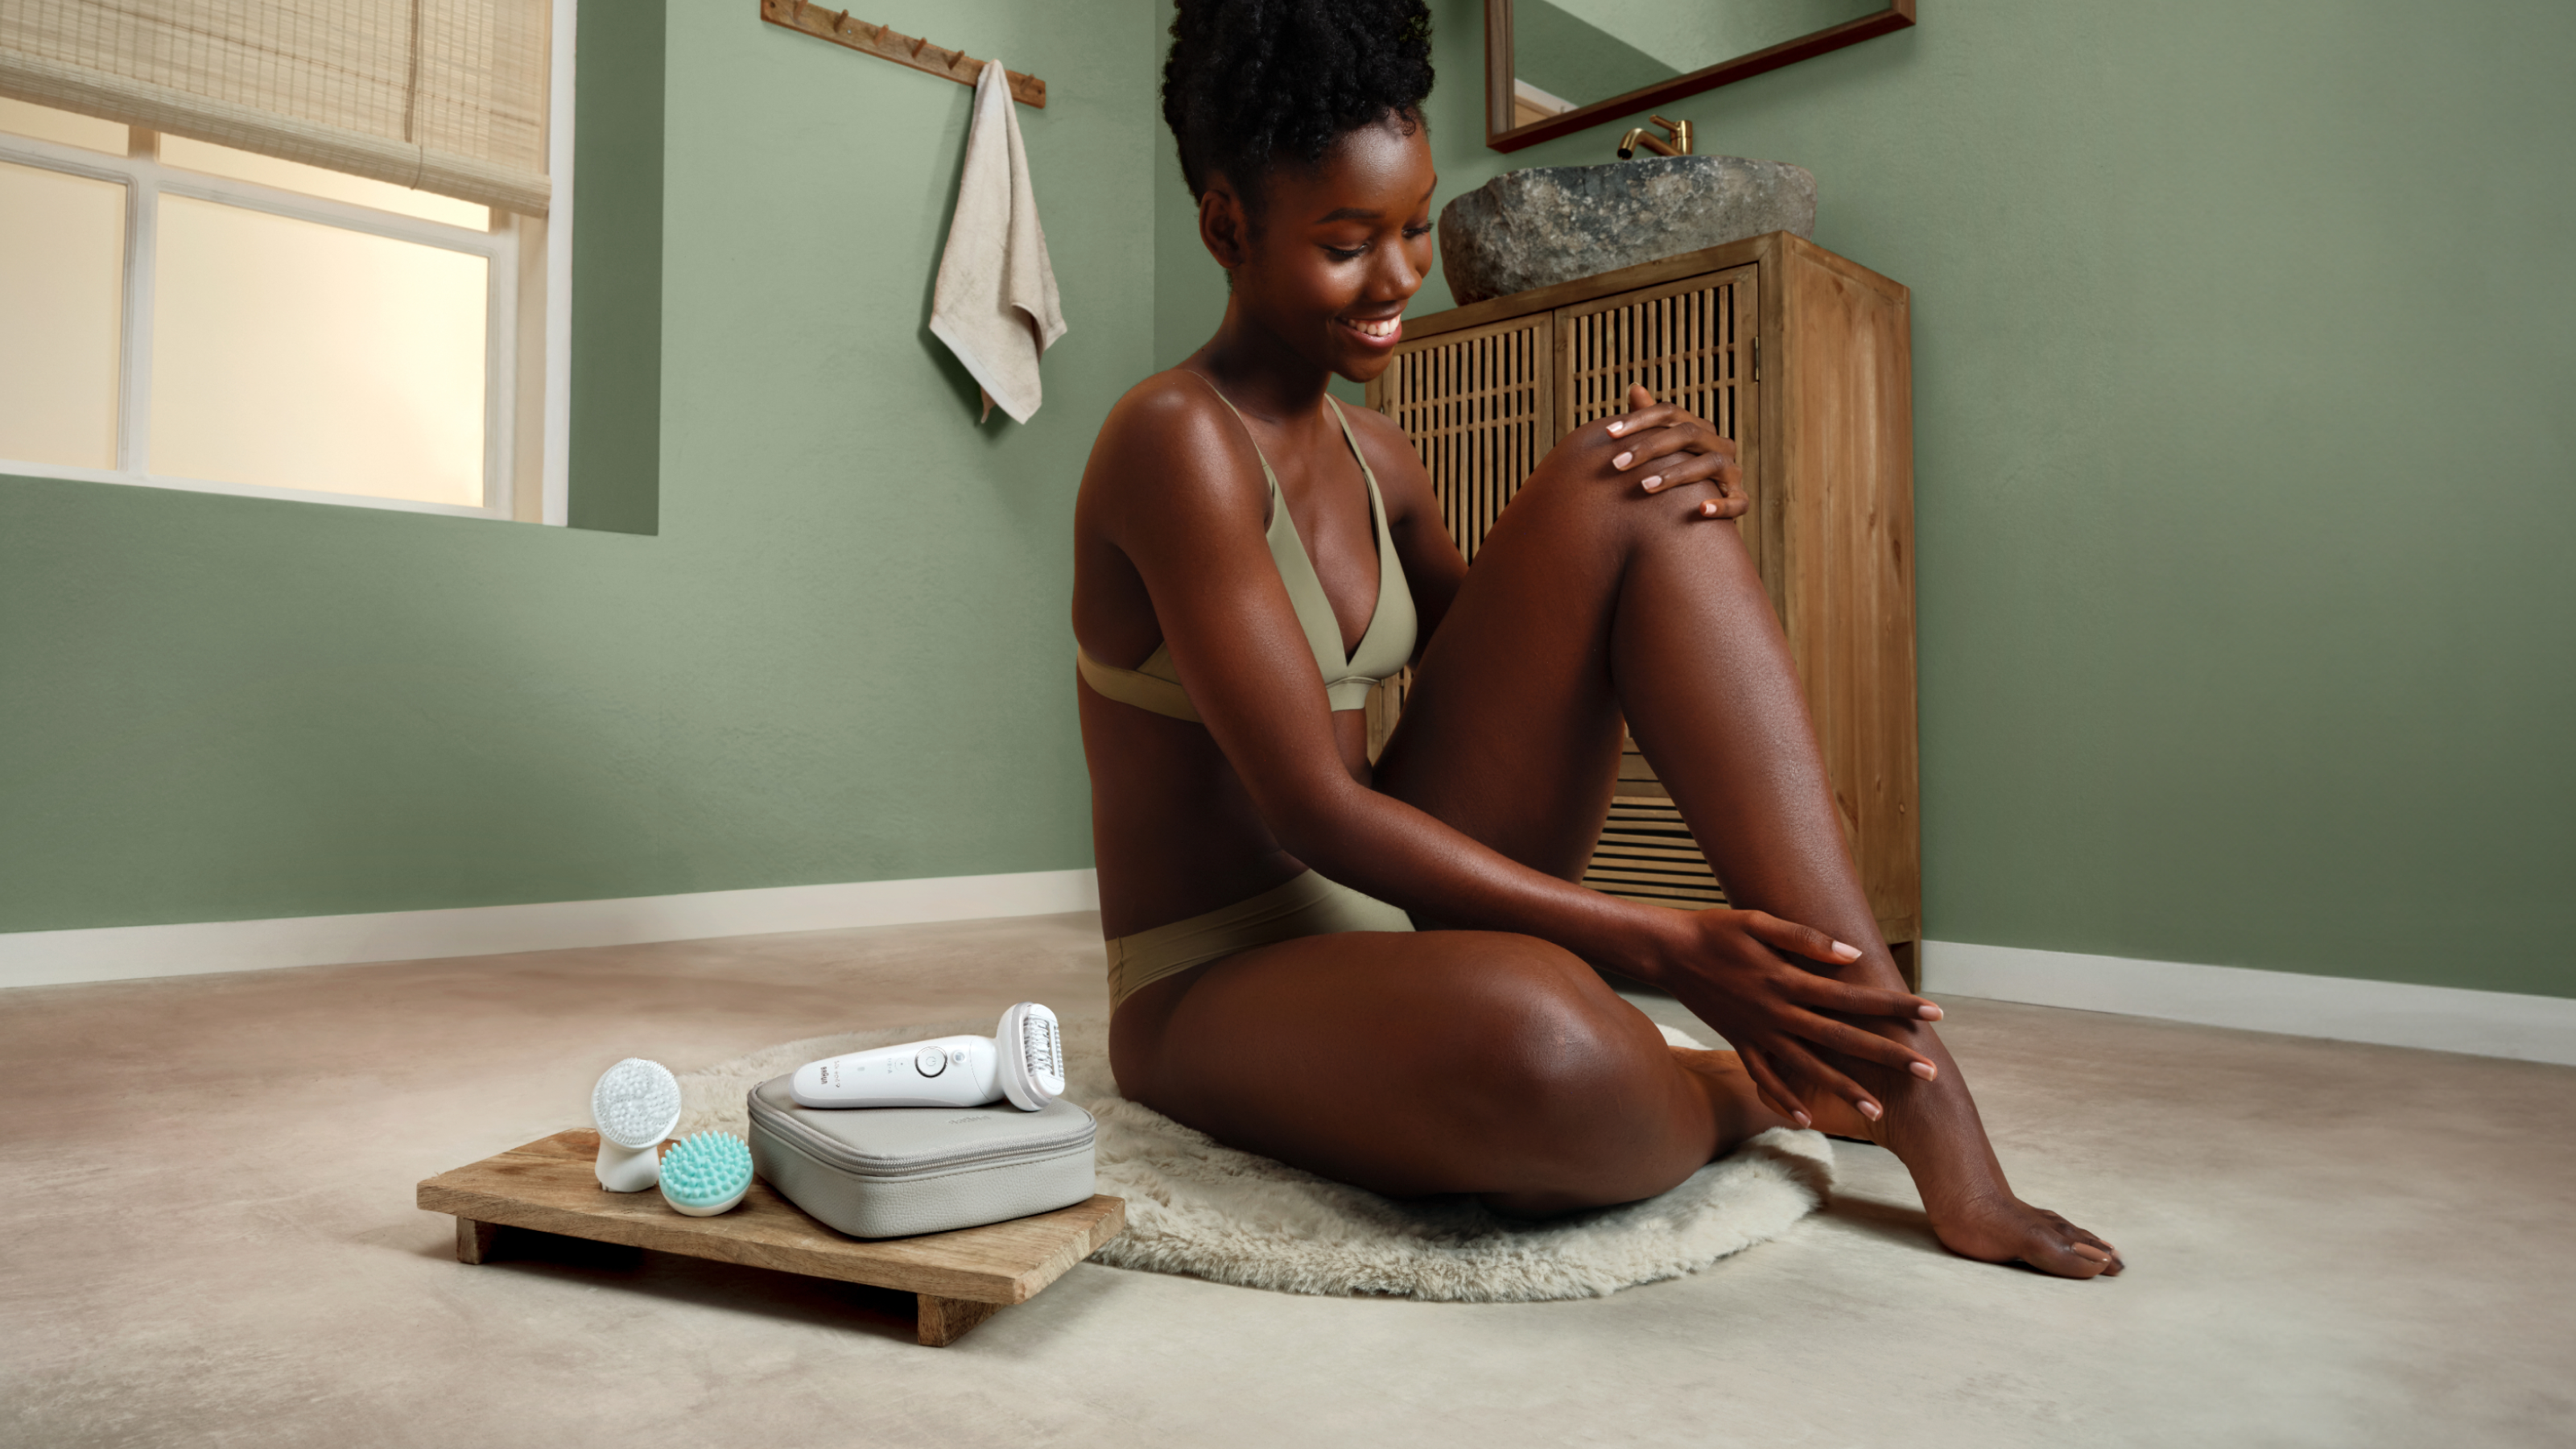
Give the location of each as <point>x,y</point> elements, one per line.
<point>2004,1229</point>
<point>1933,1128</point>
<point>1973,1210</point>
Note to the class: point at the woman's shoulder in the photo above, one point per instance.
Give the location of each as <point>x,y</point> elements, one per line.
<point>1389,451</point>
<point>1171,431</point>
<point>1172,398</point>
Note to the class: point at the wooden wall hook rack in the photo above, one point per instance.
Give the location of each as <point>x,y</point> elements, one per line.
<point>883,41</point>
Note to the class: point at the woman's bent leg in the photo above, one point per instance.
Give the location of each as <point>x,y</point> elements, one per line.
<point>1587,602</point>
<point>1439,1062</point>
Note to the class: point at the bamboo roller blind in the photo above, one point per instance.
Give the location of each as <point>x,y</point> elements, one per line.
<point>446,96</point>
<point>1484,404</point>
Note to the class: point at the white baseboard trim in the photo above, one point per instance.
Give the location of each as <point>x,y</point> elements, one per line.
<point>2390,1013</point>
<point>116,953</point>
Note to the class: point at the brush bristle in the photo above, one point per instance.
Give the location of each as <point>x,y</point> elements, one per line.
<point>636,1102</point>
<point>706,1167</point>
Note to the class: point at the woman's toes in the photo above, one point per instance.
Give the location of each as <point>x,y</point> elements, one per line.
<point>2092,1246</point>
<point>2057,1250</point>
<point>2085,1254</point>
<point>2059,1261</point>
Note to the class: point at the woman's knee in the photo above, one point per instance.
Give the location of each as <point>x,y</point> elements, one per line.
<point>1581,1103</point>
<point>1553,1043</point>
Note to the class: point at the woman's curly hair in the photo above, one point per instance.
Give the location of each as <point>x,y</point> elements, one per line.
<point>1254,83</point>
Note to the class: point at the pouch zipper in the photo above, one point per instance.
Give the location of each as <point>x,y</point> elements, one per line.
<point>833,1153</point>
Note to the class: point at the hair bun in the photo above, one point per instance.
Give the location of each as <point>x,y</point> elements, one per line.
<point>1252,83</point>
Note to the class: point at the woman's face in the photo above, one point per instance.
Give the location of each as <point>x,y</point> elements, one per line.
<point>1342,246</point>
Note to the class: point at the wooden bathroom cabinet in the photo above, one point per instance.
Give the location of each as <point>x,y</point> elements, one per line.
<point>1802,358</point>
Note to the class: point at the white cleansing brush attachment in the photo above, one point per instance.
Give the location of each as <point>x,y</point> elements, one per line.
<point>1031,1047</point>
<point>706,1173</point>
<point>636,1104</point>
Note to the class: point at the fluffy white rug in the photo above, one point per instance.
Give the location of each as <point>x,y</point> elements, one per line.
<point>1199,1207</point>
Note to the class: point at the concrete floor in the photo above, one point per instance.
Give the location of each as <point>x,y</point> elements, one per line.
<point>212,1242</point>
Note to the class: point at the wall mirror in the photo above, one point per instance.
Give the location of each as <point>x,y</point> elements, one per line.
<point>1557,66</point>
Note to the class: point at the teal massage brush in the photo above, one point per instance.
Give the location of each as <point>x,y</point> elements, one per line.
<point>706,1173</point>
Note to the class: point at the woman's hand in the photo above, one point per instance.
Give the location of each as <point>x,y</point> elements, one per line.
<point>1743,973</point>
<point>1654,448</point>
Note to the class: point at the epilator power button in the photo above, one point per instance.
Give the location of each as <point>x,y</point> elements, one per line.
<point>930,1062</point>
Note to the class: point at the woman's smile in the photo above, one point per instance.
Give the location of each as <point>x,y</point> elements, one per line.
<point>1381,332</point>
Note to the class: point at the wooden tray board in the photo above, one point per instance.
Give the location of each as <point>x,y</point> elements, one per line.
<point>961,1277</point>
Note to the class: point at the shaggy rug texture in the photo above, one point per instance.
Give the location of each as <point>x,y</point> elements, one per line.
<point>1196,1206</point>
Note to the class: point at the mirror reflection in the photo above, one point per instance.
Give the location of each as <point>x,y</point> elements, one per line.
<point>1569,53</point>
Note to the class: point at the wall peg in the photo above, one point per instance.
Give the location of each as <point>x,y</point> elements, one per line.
<point>887,43</point>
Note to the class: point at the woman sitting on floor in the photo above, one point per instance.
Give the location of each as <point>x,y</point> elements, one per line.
<point>1385,975</point>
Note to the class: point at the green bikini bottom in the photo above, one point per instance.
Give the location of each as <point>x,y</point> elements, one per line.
<point>1307,905</point>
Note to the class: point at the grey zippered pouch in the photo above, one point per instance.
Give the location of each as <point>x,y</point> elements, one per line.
<point>892,1172</point>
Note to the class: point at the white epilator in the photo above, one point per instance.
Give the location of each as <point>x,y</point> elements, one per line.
<point>636,1104</point>
<point>1023,1060</point>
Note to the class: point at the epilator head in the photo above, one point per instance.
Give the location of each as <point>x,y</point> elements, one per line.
<point>1032,1050</point>
<point>636,1104</point>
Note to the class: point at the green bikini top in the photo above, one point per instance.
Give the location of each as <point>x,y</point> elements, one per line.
<point>1386,647</point>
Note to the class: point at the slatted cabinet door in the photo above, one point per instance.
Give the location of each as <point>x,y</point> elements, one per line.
<point>1478,405</point>
<point>1679,339</point>
<point>1645,852</point>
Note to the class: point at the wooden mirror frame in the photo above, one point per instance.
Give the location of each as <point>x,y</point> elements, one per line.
<point>1502,135</point>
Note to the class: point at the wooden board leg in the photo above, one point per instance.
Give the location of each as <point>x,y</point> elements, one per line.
<point>474,1240</point>
<point>945,1320</point>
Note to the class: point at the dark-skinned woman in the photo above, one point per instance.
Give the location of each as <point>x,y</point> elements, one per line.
<point>1250,557</point>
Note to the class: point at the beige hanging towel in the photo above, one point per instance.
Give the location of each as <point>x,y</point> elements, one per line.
<point>996,304</point>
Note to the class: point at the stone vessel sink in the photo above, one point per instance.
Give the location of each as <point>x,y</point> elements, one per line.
<point>1552,224</point>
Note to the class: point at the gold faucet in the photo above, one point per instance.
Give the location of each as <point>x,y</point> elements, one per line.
<point>1679,146</point>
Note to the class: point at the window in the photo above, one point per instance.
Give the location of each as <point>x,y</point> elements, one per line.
<point>185,314</point>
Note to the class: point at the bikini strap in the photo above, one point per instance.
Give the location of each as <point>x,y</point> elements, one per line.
<point>1259,456</point>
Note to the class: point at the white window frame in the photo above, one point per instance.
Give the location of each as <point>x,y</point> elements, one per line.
<point>147,179</point>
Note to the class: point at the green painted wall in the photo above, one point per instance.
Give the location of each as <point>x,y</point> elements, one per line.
<point>615,469</point>
<point>2246,471</point>
<point>841,657</point>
